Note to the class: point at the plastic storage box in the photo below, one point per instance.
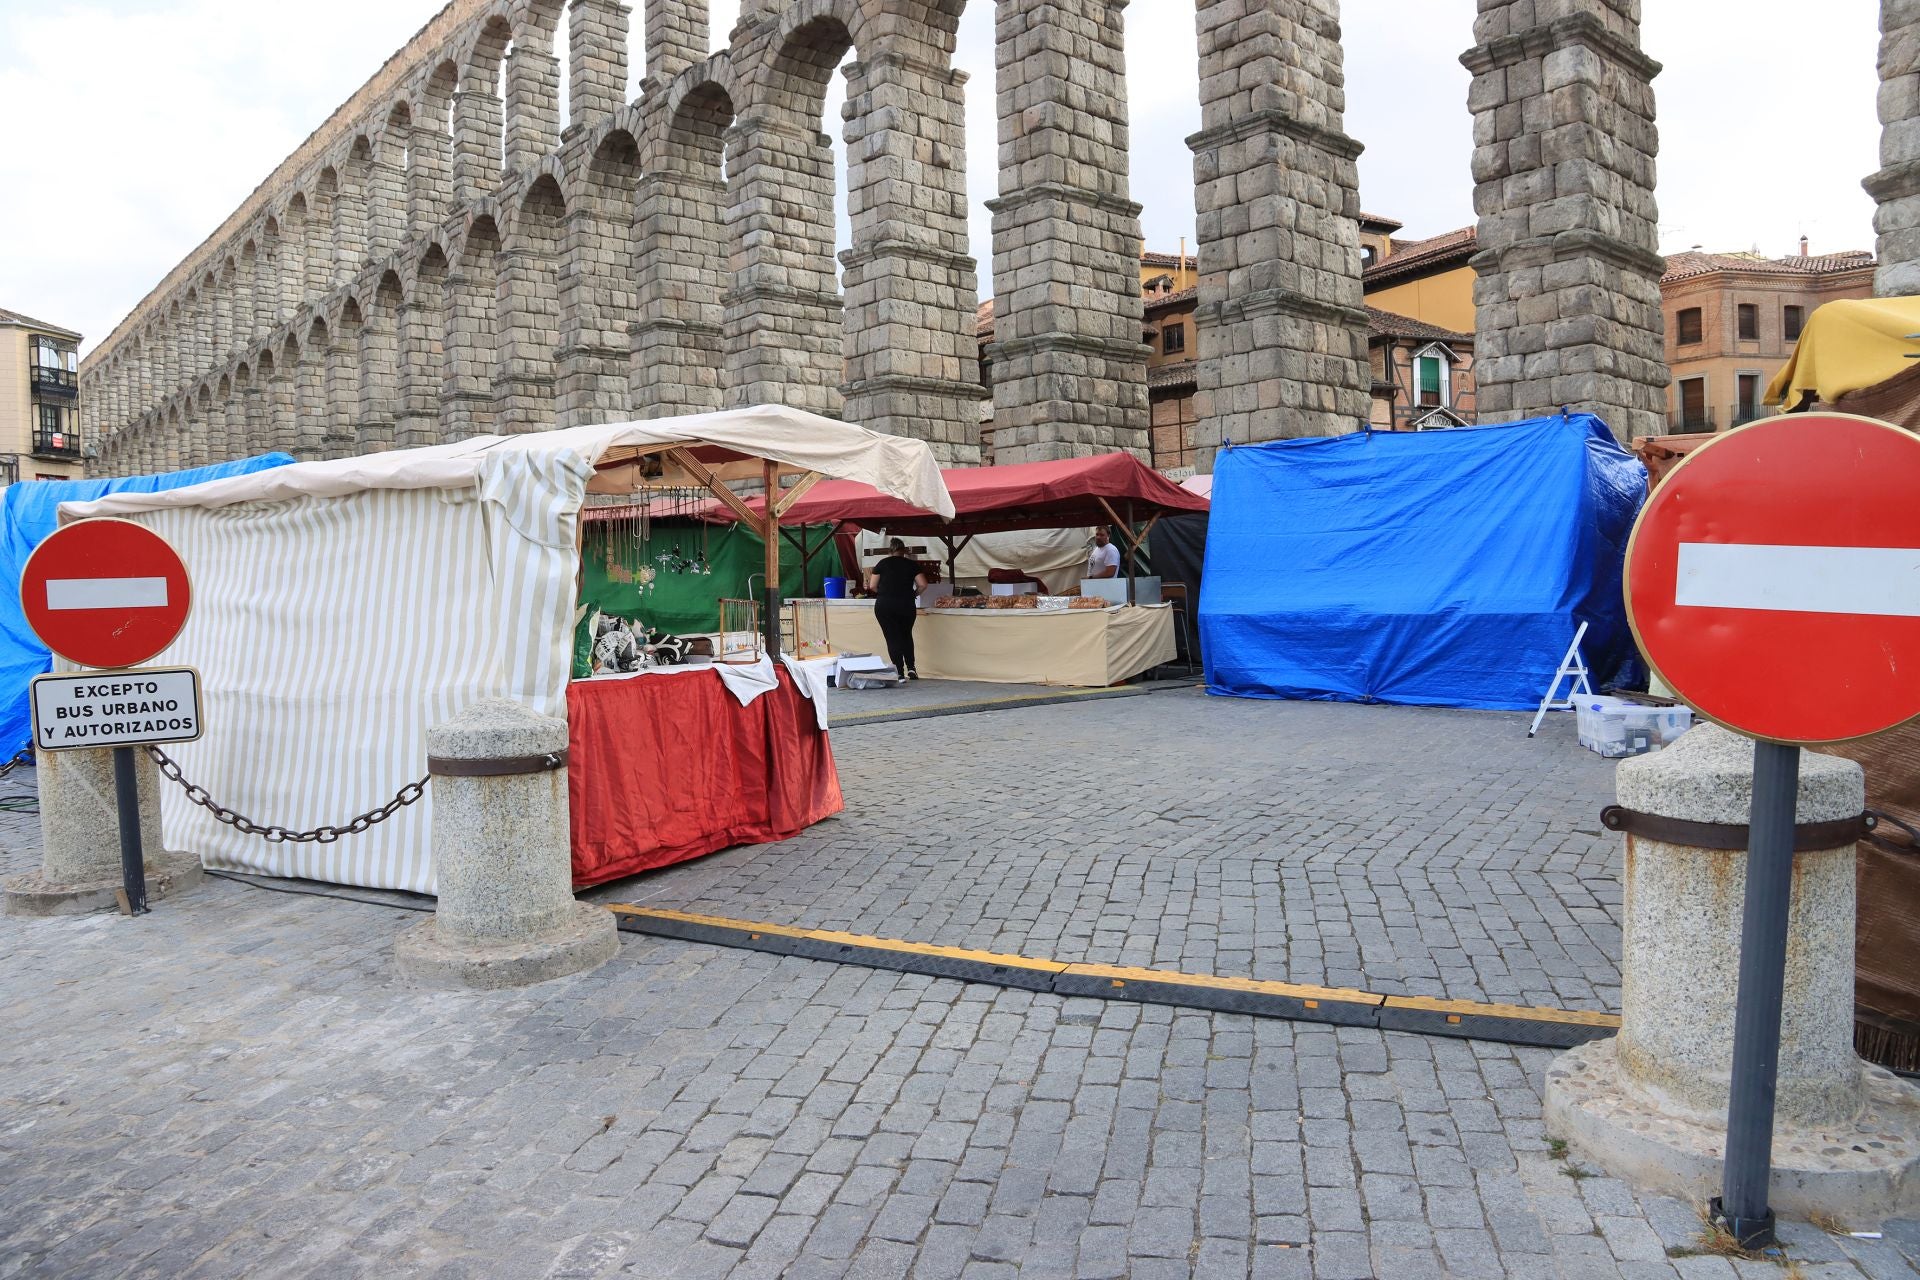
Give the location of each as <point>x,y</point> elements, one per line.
<point>1614,727</point>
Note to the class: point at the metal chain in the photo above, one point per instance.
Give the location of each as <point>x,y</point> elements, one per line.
<point>280,835</point>
<point>21,757</point>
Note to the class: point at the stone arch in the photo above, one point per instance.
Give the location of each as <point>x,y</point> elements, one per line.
<point>472,334</point>
<point>529,309</point>
<point>352,212</point>
<point>479,140</point>
<point>422,351</point>
<point>534,85</point>
<point>387,187</point>
<point>220,429</point>
<point>598,302</point>
<point>430,160</point>
<point>680,262</point>
<point>379,332</point>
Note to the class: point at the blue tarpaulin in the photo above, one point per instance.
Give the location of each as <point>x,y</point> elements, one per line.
<point>28,513</point>
<point>1434,568</point>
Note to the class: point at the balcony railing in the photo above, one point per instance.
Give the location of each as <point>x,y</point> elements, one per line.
<point>1685,421</point>
<point>55,444</point>
<point>54,382</point>
<point>1739,417</point>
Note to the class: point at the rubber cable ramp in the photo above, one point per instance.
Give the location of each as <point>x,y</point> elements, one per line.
<point>1260,998</point>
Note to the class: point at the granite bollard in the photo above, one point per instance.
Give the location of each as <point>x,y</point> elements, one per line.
<point>80,838</point>
<point>1650,1105</point>
<point>506,915</point>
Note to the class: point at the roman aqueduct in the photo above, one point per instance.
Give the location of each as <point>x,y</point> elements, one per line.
<point>441,258</point>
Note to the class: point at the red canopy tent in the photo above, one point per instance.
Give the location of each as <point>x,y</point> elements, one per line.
<point>1110,488</point>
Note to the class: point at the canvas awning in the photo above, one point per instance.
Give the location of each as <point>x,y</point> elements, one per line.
<point>1848,344</point>
<point>902,469</point>
<point>1063,494</point>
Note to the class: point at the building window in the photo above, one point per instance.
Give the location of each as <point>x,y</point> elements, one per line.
<point>49,417</point>
<point>1173,339</point>
<point>1688,323</point>
<point>1749,322</point>
<point>1791,318</point>
<point>1693,404</point>
<point>1433,377</point>
<point>1749,406</point>
<point>1368,255</point>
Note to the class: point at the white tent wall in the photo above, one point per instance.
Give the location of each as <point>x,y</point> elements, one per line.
<point>331,632</point>
<point>342,607</point>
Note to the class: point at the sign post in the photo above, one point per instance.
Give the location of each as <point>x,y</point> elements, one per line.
<point>111,594</point>
<point>1773,581</point>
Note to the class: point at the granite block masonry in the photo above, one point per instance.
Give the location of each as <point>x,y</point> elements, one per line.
<point>502,857</point>
<point>80,838</point>
<point>1650,1105</point>
<point>1895,187</point>
<point>1567,289</point>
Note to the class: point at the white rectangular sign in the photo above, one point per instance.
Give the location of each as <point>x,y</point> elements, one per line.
<point>115,708</point>
<point>1872,581</point>
<point>106,593</point>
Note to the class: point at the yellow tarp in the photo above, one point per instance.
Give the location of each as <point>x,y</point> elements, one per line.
<point>1848,344</point>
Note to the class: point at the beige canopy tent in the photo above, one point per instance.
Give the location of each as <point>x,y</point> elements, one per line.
<point>341,607</point>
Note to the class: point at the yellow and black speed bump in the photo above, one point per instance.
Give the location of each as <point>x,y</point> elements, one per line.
<point>1509,1023</point>
<point>1227,995</point>
<point>1341,1006</point>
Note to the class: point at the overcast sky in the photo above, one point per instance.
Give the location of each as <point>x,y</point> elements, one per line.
<point>138,125</point>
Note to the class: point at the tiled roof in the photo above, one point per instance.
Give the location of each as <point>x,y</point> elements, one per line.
<point>1168,259</point>
<point>1173,375</point>
<point>1691,264</point>
<point>983,318</point>
<point>1160,302</point>
<point>1391,324</point>
<point>17,320</point>
<point>1450,249</point>
<point>1375,220</point>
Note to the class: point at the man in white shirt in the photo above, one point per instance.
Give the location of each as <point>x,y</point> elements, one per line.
<point>1103,560</point>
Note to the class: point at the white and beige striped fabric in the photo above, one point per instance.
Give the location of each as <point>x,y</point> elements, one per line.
<point>342,610</point>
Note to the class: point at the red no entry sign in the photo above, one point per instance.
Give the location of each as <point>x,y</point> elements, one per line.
<point>1774,578</point>
<point>105,593</point>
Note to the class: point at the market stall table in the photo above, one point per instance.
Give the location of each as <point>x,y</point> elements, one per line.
<point>1092,648</point>
<point>667,765</point>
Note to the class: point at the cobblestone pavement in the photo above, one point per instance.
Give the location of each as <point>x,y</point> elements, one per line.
<point>240,1085</point>
<point>1405,851</point>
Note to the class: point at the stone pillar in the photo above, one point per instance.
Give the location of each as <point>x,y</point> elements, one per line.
<point>676,37</point>
<point>1280,319</point>
<point>1567,295</point>
<point>429,174</point>
<point>379,377</point>
<point>466,394</point>
<point>502,858</point>
<point>386,209</point>
<point>781,320</point>
<point>680,273</point>
<point>254,427</point>
<point>596,59</point>
<point>1650,1105</point>
<point>1069,366</point>
<point>1895,188</point>
<point>529,333</point>
<point>533,103</point>
<point>222,321</point>
<point>422,322</point>
<point>80,838</point>
<point>596,297</point>
<point>217,449</point>
<point>281,402</point>
<point>310,404</point>
<point>912,345</point>
<point>477,116</point>
<point>341,398</point>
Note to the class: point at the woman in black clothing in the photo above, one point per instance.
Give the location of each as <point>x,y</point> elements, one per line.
<point>895,581</point>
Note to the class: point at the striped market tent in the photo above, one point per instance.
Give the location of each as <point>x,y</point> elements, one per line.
<point>342,607</point>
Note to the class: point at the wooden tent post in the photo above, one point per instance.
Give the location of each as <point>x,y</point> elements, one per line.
<point>771,532</point>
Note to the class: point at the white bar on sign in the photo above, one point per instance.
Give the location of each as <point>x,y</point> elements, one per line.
<point>106,593</point>
<point>1882,581</point>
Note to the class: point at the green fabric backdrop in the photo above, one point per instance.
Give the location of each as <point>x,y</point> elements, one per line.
<point>680,604</point>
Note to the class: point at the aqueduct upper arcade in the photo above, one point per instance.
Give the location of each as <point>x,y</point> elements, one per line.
<point>441,258</point>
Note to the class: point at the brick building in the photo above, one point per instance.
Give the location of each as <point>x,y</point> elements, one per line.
<point>1732,320</point>
<point>39,400</point>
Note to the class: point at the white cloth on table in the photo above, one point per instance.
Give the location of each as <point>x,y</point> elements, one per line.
<point>747,681</point>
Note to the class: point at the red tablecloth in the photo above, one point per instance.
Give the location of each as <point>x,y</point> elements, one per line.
<point>666,768</point>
